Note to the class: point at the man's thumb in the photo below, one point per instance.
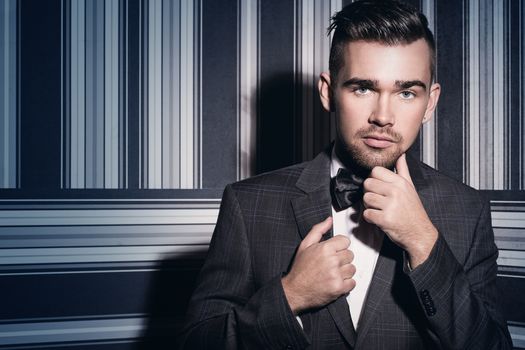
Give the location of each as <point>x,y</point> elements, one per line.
<point>316,233</point>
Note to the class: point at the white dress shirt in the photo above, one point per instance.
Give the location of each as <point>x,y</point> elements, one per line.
<point>365,243</point>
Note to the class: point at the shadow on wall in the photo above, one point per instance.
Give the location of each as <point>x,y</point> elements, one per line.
<point>281,119</point>
<point>167,299</point>
<point>278,123</point>
<point>279,140</point>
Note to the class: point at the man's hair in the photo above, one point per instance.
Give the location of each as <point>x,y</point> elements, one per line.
<point>387,22</point>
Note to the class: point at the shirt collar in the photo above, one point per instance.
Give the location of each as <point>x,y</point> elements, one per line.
<point>335,163</point>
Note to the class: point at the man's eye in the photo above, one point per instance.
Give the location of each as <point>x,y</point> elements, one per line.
<point>407,95</point>
<point>361,91</point>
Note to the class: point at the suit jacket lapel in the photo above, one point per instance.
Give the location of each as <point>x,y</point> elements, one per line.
<point>313,207</point>
<point>379,287</point>
<point>315,204</point>
<point>384,273</point>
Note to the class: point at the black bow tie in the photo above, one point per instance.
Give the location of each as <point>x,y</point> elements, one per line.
<point>346,189</point>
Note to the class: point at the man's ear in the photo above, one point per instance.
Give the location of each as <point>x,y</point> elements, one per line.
<point>435,90</point>
<point>325,91</point>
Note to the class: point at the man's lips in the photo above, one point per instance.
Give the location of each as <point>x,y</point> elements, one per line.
<point>378,141</point>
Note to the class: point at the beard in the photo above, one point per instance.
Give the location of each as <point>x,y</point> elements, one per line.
<point>361,158</point>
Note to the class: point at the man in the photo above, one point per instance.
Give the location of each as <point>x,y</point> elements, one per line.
<point>362,247</point>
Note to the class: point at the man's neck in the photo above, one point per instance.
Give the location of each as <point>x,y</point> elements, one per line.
<point>349,162</point>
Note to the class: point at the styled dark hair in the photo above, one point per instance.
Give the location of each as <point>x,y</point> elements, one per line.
<point>388,22</point>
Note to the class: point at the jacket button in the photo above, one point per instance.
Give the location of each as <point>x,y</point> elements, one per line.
<point>431,311</point>
<point>428,303</point>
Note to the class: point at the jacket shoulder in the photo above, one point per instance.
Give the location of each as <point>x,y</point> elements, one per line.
<point>445,187</point>
<point>283,179</point>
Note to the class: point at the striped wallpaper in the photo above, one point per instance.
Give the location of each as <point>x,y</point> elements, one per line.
<point>248,44</point>
<point>79,272</point>
<point>508,221</point>
<point>112,165</point>
<point>313,46</point>
<point>495,62</point>
<point>96,136</point>
<point>428,139</point>
<point>84,231</point>
<point>8,88</point>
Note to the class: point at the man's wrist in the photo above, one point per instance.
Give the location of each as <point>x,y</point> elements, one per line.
<point>291,297</point>
<point>420,252</point>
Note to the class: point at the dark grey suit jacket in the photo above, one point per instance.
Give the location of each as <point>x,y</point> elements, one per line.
<point>449,302</point>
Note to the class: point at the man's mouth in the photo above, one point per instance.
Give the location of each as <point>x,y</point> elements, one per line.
<point>378,141</point>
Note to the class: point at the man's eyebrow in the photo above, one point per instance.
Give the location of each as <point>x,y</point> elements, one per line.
<point>363,83</point>
<point>406,84</point>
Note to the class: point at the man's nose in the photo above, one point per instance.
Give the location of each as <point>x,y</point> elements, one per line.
<point>382,114</point>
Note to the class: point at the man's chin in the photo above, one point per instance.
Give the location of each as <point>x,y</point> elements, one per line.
<point>365,159</point>
<point>369,164</point>
<point>382,158</point>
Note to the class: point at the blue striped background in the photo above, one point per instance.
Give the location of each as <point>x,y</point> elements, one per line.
<point>122,120</point>
<point>8,88</point>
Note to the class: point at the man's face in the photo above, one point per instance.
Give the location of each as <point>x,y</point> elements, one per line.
<point>381,96</point>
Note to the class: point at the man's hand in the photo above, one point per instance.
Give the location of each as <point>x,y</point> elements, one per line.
<point>321,271</point>
<point>392,203</point>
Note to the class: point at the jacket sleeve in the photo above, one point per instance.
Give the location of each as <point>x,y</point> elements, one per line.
<point>226,309</point>
<point>460,301</point>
